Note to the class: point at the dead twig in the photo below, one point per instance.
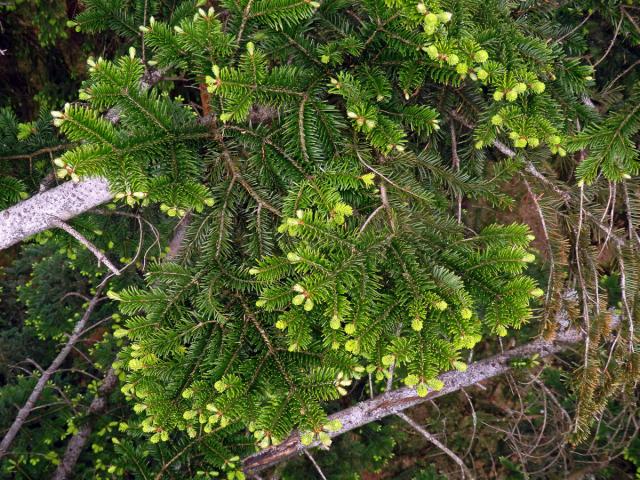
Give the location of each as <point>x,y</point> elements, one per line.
<point>102,258</point>
<point>30,404</point>
<point>432,439</point>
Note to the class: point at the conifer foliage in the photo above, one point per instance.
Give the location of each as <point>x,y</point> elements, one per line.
<point>322,154</point>
<point>330,250</point>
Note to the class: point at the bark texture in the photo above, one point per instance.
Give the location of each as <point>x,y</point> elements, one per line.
<point>37,213</point>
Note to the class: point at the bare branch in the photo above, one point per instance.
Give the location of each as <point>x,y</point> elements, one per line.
<point>102,258</point>
<point>80,438</point>
<point>369,218</point>
<point>432,439</point>
<point>37,153</point>
<point>175,244</point>
<point>315,464</point>
<point>29,405</point>
<point>613,41</point>
<point>395,401</point>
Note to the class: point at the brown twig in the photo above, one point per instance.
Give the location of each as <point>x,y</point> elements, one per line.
<point>315,464</point>
<point>613,41</point>
<point>577,27</point>
<point>432,439</point>
<point>37,153</point>
<point>369,218</point>
<point>102,258</point>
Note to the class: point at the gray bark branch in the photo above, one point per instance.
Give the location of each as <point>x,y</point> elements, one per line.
<point>396,401</point>
<point>35,214</point>
<point>65,202</point>
<point>81,437</point>
<point>29,405</point>
<point>102,258</point>
<point>432,439</point>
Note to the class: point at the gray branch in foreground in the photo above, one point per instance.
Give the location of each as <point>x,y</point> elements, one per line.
<point>35,214</point>
<point>396,401</point>
<point>65,202</point>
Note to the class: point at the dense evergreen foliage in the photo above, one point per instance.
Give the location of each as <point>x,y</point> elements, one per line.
<point>336,178</point>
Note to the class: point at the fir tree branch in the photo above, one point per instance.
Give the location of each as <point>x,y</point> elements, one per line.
<point>150,78</point>
<point>233,166</point>
<point>455,160</point>
<point>574,29</point>
<point>529,166</point>
<point>67,201</point>
<point>99,403</point>
<point>237,175</point>
<point>168,463</point>
<point>395,401</point>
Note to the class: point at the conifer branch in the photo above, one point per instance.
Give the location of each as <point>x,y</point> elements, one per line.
<point>175,245</point>
<point>99,403</point>
<point>530,167</point>
<point>395,401</point>
<point>237,175</point>
<point>233,166</point>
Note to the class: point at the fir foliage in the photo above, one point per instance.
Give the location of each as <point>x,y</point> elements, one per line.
<point>329,250</point>
<point>324,154</point>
